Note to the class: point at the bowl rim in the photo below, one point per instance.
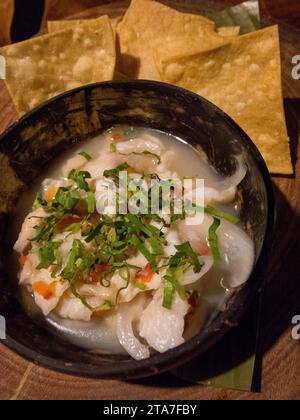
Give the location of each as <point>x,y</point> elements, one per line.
<point>205,339</point>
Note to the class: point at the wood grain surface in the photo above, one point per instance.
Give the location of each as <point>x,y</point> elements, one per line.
<point>278,352</point>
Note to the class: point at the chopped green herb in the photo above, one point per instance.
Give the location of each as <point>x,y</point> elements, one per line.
<point>113,147</point>
<point>45,231</point>
<point>144,153</point>
<point>85,155</point>
<point>156,246</point>
<point>80,179</point>
<point>46,255</point>
<point>169,291</point>
<point>92,233</point>
<point>66,198</point>
<point>126,277</point>
<point>73,228</point>
<point>114,173</point>
<point>114,238</point>
<point>91,202</point>
<point>107,306</point>
<point>141,286</point>
<point>76,251</point>
<point>112,235</point>
<point>213,240</point>
<point>143,250</point>
<point>39,202</point>
<point>219,214</point>
<point>188,251</point>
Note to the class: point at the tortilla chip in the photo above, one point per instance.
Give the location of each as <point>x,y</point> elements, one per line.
<point>184,47</point>
<point>244,79</point>
<point>46,66</point>
<point>59,25</point>
<point>229,31</point>
<point>147,23</point>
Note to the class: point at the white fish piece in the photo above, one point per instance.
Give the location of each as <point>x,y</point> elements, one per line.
<point>97,335</point>
<point>98,166</point>
<point>73,308</point>
<point>173,239</point>
<point>47,305</point>
<point>238,254</point>
<point>204,196</point>
<point>234,180</point>
<point>222,192</point>
<point>142,164</point>
<point>77,162</point>
<point>117,283</point>
<point>140,261</point>
<point>128,294</point>
<point>196,234</point>
<point>236,248</point>
<point>29,272</point>
<point>213,196</point>
<point>146,143</point>
<point>25,275</point>
<point>127,314</point>
<point>191,277</point>
<point>49,183</point>
<point>27,231</point>
<point>163,328</point>
<point>225,190</point>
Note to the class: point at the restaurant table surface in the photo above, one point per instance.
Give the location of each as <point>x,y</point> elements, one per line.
<point>279,353</point>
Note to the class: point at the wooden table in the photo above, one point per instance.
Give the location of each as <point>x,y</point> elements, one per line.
<point>281,300</point>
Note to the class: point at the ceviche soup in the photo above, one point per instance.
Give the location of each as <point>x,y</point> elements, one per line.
<point>131,243</point>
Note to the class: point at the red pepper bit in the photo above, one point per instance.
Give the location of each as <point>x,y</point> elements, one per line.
<point>22,260</point>
<point>95,277</point>
<point>146,274</point>
<point>192,301</point>
<point>205,251</point>
<point>116,137</point>
<point>47,291</point>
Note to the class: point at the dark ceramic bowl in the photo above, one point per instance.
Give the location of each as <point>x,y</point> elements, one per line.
<point>81,114</point>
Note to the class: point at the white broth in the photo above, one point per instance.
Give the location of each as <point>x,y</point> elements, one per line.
<point>129,283</point>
